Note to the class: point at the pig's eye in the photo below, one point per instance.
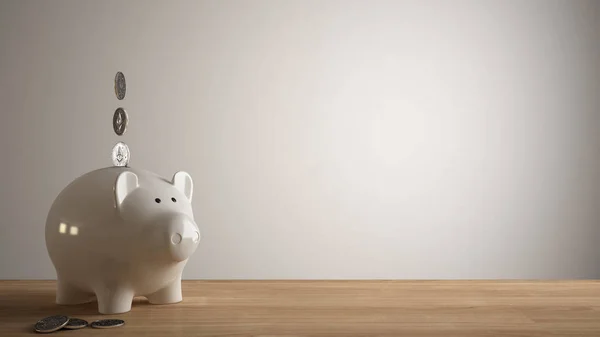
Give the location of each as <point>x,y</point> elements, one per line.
<point>173,200</point>
<point>157,200</point>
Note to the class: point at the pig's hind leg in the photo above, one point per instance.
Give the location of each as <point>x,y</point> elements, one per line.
<point>68,294</point>
<point>168,294</point>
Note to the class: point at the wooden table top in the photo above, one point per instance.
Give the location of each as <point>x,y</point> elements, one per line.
<point>331,308</point>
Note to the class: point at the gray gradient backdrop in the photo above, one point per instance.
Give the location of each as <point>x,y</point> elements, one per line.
<point>327,139</point>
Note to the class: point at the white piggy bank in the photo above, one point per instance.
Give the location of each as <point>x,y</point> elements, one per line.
<point>118,232</point>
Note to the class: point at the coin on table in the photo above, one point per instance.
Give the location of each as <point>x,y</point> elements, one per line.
<point>107,323</point>
<point>51,323</point>
<point>120,154</point>
<point>120,121</point>
<point>120,85</point>
<point>76,323</point>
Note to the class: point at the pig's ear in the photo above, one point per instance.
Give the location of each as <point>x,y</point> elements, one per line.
<point>126,183</point>
<point>183,182</point>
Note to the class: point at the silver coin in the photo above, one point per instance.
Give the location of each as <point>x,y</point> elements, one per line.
<point>51,323</point>
<point>120,86</point>
<point>120,121</point>
<point>76,323</point>
<point>120,154</point>
<point>107,323</point>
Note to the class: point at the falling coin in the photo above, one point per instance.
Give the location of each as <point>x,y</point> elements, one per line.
<point>107,323</point>
<point>120,154</point>
<point>76,323</point>
<point>120,121</point>
<point>120,86</point>
<point>51,324</point>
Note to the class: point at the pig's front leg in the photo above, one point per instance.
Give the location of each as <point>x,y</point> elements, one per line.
<point>114,299</point>
<point>168,294</point>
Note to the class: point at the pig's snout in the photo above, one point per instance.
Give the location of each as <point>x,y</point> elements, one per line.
<point>183,237</point>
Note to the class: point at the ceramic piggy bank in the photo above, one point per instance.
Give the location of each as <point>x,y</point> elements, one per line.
<point>119,232</point>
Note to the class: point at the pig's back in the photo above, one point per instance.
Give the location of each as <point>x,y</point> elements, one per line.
<point>84,201</point>
<point>82,221</point>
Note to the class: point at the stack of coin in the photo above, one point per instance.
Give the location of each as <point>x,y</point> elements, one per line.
<point>59,322</point>
<point>120,152</point>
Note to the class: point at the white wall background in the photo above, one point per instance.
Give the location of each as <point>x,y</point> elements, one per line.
<point>327,139</point>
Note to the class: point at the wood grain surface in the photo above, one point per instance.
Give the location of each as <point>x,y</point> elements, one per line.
<point>331,308</point>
